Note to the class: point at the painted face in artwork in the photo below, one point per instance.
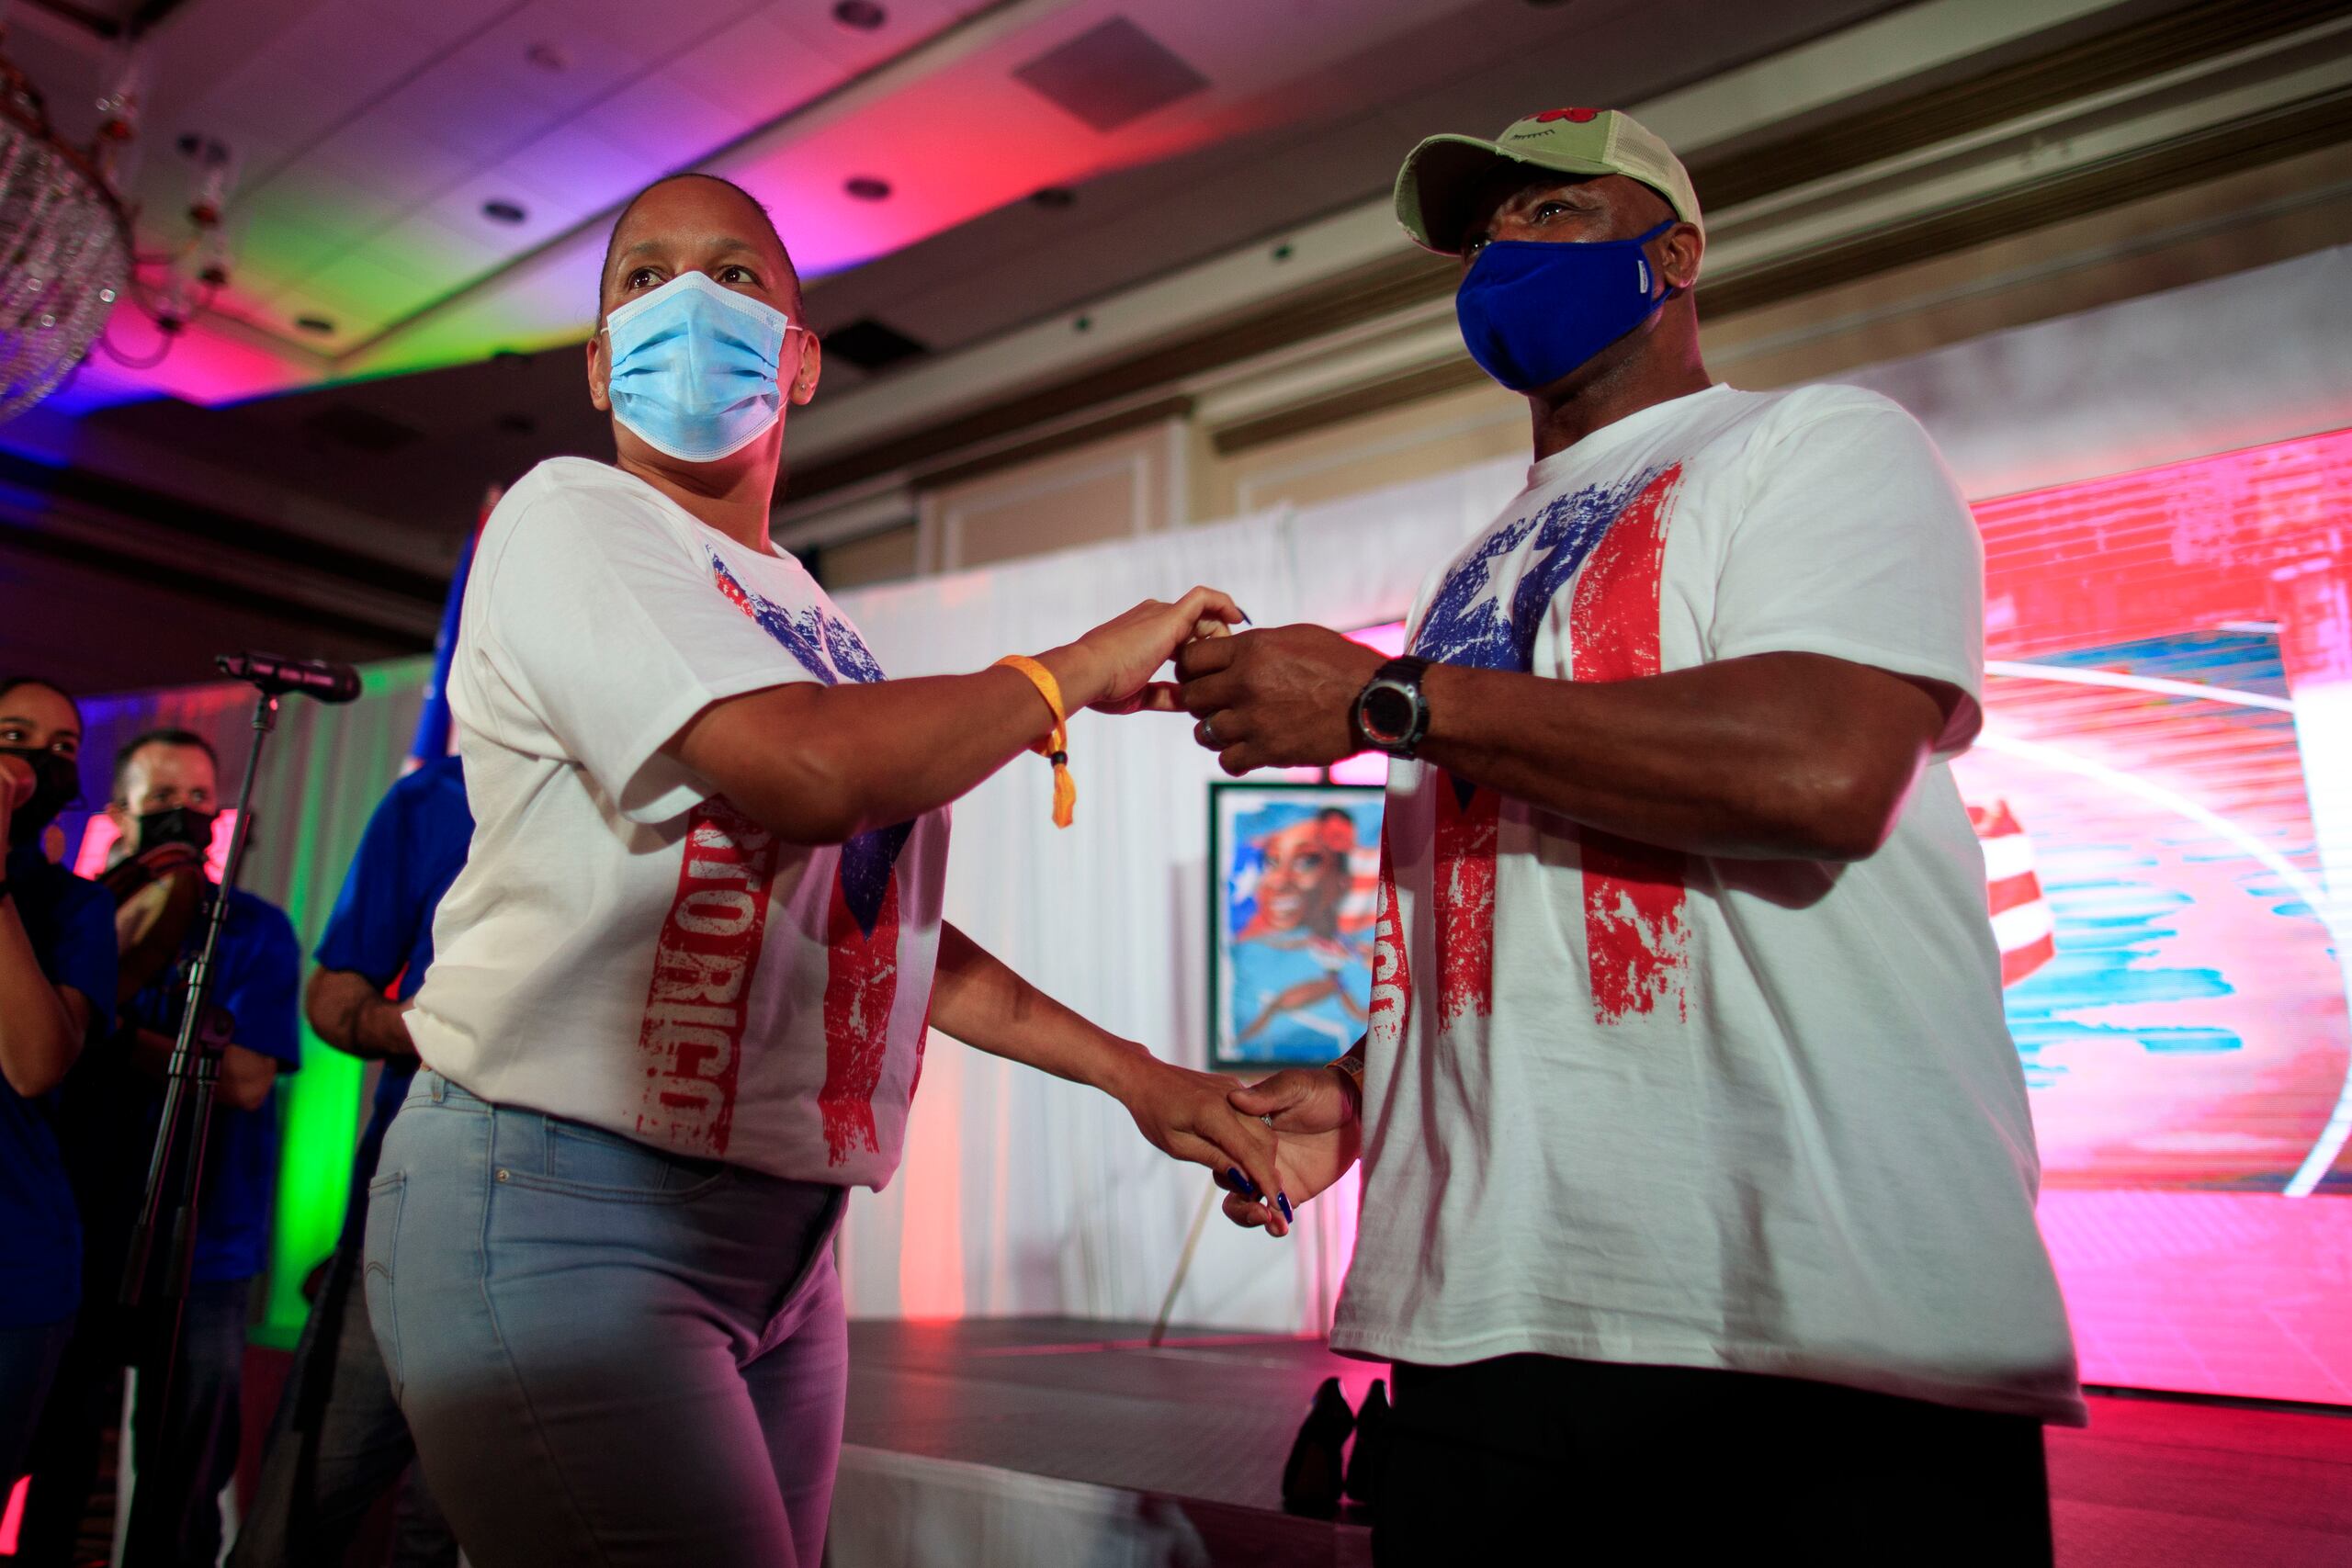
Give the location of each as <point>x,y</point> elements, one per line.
<point>1305,873</point>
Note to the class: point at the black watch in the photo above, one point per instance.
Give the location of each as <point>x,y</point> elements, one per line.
<point>1391,712</point>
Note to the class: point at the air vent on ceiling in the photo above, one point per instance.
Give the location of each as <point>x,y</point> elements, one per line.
<point>354,427</point>
<point>870,344</point>
<point>1111,75</point>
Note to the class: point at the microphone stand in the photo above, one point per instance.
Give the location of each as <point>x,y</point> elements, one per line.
<point>175,1180</point>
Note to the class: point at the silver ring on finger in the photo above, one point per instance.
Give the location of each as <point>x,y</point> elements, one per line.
<point>1208,732</point>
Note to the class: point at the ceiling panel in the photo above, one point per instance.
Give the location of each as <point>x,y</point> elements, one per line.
<point>314,77</point>
<point>758,68</point>
<point>382,153</point>
<point>472,108</point>
<point>583,172</point>
<point>553,54</point>
<point>367,286</point>
<point>545,213</point>
<point>662,120</point>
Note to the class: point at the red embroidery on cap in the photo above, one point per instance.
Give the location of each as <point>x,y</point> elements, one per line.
<point>1578,117</point>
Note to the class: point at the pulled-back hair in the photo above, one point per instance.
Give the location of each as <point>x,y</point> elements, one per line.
<point>605,270</point>
<point>10,682</point>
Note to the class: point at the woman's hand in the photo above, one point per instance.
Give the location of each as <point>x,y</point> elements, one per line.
<point>1314,1110</point>
<point>1186,1114</point>
<point>1111,668</point>
<point>1310,1162</point>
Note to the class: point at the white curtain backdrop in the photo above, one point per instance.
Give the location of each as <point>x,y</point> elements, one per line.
<point>1022,1194</point>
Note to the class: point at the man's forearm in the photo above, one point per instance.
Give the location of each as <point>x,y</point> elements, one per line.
<point>350,1012</point>
<point>981,1003</point>
<point>1777,757</point>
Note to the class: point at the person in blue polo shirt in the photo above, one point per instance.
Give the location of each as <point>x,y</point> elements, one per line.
<point>166,791</point>
<point>339,1439</point>
<point>57,978</point>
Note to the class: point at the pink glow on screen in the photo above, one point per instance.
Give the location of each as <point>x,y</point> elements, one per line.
<point>2163,789</point>
<point>99,841</point>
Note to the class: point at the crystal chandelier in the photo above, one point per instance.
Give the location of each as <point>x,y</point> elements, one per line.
<point>65,246</point>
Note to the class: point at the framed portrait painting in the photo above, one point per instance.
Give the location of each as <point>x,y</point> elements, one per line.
<point>1294,894</point>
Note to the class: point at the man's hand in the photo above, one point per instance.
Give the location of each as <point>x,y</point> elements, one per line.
<point>1314,1110</point>
<point>1283,697</point>
<point>1119,658</point>
<point>1301,1099</point>
<point>1185,1113</point>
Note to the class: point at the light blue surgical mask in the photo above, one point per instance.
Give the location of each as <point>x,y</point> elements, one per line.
<point>694,368</point>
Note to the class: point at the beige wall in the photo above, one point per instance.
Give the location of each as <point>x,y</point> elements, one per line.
<point>885,557</point>
<point>1393,447</point>
<point>2185,236</point>
<point>1130,483</point>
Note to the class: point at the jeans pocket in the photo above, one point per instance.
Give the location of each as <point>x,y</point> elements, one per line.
<point>589,1162</point>
<point>385,1197</point>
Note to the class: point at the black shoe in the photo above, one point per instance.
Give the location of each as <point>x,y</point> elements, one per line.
<point>1370,1456</point>
<point>1311,1477</point>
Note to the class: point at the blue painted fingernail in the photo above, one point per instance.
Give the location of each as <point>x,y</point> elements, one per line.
<point>1282,1201</point>
<point>1241,1183</point>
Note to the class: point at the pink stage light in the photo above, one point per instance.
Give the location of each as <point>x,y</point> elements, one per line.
<point>99,838</point>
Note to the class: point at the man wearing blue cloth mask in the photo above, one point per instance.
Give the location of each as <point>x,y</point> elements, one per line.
<point>1698,1176</point>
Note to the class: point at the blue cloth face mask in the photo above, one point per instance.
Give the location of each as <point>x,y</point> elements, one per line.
<point>694,367</point>
<point>1533,312</point>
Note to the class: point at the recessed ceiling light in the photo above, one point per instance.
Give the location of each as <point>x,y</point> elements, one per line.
<point>862,15</point>
<point>503,211</point>
<point>1054,199</point>
<point>547,56</point>
<point>865,188</point>
<point>317,326</point>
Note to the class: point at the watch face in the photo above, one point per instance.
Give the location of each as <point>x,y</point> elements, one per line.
<point>1387,714</point>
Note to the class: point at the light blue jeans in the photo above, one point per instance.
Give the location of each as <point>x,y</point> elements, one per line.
<point>607,1354</point>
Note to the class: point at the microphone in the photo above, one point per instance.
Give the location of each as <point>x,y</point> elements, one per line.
<point>317,678</point>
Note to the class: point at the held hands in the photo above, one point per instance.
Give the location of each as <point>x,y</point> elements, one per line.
<point>1283,697</point>
<point>1111,668</point>
<point>1315,1110</point>
<point>1189,1116</point>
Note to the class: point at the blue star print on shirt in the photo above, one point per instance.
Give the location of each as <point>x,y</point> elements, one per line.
<point>830,648</point>
<point>1466,622</point>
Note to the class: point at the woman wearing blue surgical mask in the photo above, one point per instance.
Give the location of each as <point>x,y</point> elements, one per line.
<point>679,993</point>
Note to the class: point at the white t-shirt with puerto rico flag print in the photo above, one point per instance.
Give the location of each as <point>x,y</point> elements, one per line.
<point>624,947</point>
<point>1630,1105</point>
